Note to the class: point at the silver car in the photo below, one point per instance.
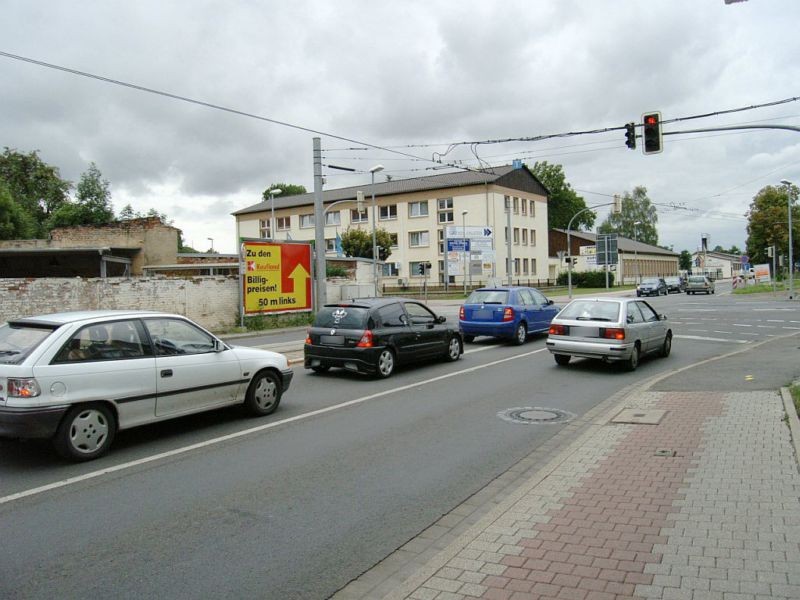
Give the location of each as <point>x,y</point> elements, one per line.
<point>609,329</point>
<point>699,283</point>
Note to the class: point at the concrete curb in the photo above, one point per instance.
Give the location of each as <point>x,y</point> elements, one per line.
<point>793,420</point>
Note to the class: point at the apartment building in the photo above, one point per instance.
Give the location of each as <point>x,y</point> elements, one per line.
<point>494,212</point>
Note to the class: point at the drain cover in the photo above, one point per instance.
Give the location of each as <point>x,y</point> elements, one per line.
<point>535,415</point>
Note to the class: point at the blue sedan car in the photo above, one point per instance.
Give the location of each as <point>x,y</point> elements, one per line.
<point>506,312</point>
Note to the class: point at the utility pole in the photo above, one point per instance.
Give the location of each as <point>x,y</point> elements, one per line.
<point>319,229</point>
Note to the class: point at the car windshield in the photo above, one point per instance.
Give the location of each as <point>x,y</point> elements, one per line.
<point>697,279</point>
<point>488,297</point>
<point>342,317</point>
<point>673,280</point>
<point>17,340</point>
<point>584,310</point>
<point>649,281</point>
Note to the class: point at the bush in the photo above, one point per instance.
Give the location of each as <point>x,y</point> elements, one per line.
<point>587,279</point>
<point>261,322</point>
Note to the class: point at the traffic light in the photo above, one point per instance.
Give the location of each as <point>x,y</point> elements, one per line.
<point>630,136</point>
<point>423,268</point>
<point>769,251</point>
<point>651,133</point>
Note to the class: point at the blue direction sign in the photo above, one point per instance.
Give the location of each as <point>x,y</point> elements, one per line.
<point>458,245</point>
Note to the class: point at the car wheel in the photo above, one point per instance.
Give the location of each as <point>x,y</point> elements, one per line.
<point>520,334</point>
<point>385,363</point>
<point>666,347</point>
<point>453,349</point>
<point>469,338</point>
<point>264,394</point>
<point>320,369</point>
<point>633,361</point>
<point>562,359</point>
<point>86,432</point>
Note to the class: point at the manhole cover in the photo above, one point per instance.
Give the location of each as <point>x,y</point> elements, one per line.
<point>535,415</point>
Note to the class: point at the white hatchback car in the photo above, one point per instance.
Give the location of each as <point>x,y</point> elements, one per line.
<point>78,377</point>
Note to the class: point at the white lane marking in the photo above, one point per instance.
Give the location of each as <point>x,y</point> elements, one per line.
<point>775,321</point>
<point>741,325</point>
<point>718,331</point>
<point>244,432</point>
<point>766,326</point>
<point>788,327</point>
<point>711,339</point>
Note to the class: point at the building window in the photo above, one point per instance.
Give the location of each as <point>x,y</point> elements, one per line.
<point>516,235</point>
<point>418,209</point>
<point>533,237</point>
<point>263,228</point>
<point>333,218</point>
<point>524,237</point>
<point>284,223</point>
<point>419,238</point>
<point>414,269</point>
<point>307,221</point>
<point>533,209</point>
<point>388,213</point>
<point>507,202</point>
<point>358,217</point>
<point>445,208</point>
<point>516,266</point>
<point>505,230</point>
<point>524,266</point>
<point>440,236</point>
<point>533,266</point>
<point>393,237</point>
<point>524,206</point>
<point>391,269</point>
<point>330,244</point>
<point>516,205</point>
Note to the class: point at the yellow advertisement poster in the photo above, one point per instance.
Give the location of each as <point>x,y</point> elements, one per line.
<point>276,278</point>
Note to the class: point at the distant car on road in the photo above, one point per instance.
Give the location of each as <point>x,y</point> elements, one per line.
<point>507,312</point>
<point>374,335</point>
<point>675,284</point>
<point>609,329</point>
<point>79,377</point>
<point>652,286</point>
<point>699,284</point>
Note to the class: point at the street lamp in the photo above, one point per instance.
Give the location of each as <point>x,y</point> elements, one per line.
<point>272,193</point>
<point>212,243</point>
<point>636,249</point>
<point>464,214</point>
<point>374,170</point>
<point>788,185</point>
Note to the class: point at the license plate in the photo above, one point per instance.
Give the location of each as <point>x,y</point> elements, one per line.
<point>482,314</point>
<point>584,331</point>
<point>331,340</point>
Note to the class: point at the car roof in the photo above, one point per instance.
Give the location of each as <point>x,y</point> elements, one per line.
<point>371,302</point>
<point>75,316</point>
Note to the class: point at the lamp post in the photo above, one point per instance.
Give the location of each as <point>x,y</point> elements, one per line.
<point>569,242</point>
<point>272,193</point>
<point>788,185</point>
<point>372,171</point>
<point>212,243</point>
<point>464,214</point>
<point>636,249</point>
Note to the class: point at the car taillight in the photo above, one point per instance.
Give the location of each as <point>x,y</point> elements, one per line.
<point>508,314</point>
<point>557,330</point>
<point>308,337</point>
<point>366,340</point>
<point>614,333</point>
<point>461,313</point>
<point>23,388</point>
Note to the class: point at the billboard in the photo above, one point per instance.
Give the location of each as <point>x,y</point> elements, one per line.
<point>276,277</point>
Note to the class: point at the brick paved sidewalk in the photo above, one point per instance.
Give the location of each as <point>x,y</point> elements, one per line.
<point>704,504</point>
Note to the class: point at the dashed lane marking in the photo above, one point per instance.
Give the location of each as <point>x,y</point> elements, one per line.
<point>711,339</point>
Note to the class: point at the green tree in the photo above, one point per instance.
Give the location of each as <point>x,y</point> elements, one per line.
<point>358,242</point>
<point>15,222</point>
<point>564,203</point>
<point>34,185</point>
<point>768,223</point>
<point>287,189</point>
<point>637,220</point>
<point>92,205</point>
<point>685,260</point>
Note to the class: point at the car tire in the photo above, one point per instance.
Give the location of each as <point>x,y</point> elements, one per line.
<point>454,349</point>
<point>264,394</point>
<point>85,432</point>
<point>562,359</point>
<point>469,339</point>
<point>520,334</point>
<point>666,347</point>
<point>384,366</point>
<point>633,361</point>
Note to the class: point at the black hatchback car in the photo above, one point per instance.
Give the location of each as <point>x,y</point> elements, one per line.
<point>374,335</point>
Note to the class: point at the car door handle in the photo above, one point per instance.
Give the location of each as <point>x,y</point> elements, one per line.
<point>166,372</point>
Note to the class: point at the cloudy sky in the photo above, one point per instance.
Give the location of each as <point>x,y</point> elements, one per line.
<point>397,83</point>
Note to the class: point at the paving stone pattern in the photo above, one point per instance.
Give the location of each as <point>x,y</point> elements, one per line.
<point>704,505</point>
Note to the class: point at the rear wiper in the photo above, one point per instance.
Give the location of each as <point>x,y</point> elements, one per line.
<point>591,319</point>
<point>492,302</point>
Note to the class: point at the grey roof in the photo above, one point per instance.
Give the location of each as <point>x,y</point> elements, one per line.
<point>624,244</point>
<point>507,175</point>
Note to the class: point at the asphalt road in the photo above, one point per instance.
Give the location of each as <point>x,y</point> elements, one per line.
<point>299,503</point>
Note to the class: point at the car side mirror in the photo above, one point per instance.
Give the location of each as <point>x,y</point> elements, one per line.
<point>550,303</point>
<point>219,346</point>
<point>662,317</point>
<point>441,319</point>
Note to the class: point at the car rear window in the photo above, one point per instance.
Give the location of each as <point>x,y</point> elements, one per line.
<point>582,310</point>
<point>17,340</point>
<point>488,297</point>
<point>697,279</point>
<point>342,317</point>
